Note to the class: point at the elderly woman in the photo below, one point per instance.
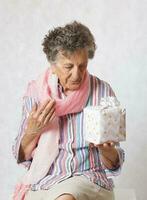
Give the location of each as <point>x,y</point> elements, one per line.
<point>60,164</point>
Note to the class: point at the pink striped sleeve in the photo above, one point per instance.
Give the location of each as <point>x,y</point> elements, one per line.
<point>28,102</point>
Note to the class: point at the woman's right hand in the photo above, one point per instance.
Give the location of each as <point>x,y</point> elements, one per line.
<point>40,117</point>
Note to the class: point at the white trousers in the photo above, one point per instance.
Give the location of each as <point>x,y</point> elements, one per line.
<point>78,186</point>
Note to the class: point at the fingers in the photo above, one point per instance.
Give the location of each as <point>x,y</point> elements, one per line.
<point>53,116</point>
<point>41,108</point>
<point>49,107</point>
<point>44,109</point>
<point>108,144</point>
<point>34,108</point>
<point>105,144</point>
<point>40,115</point>
<point>49,117</point>
<point>47,113</point>
<point>113,143</point>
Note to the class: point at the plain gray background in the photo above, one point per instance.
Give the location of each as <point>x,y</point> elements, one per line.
<point>120,31</point>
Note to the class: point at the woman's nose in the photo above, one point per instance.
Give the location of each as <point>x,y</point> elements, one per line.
<point>76,75</point>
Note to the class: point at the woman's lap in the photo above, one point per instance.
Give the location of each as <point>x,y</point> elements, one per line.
<point>79,187</point>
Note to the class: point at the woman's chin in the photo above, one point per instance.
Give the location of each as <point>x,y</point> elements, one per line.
<point>71,88</point>
<point>75,87</point>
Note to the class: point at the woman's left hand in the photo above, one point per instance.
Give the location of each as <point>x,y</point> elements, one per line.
<point>108,152</point>
<point>105,146</point>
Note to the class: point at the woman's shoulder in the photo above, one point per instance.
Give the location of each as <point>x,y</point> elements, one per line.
<point>34,86</point>
<point>99,81</point>
<point>102,85</point>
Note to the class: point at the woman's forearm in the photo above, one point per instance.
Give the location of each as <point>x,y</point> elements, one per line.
<point>27,145</point>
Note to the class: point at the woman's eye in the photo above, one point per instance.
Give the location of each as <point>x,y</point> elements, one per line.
<point>82,66</point>
<point>68,66</point>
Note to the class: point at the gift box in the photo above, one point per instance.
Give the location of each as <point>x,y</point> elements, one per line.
<point>105,122</point>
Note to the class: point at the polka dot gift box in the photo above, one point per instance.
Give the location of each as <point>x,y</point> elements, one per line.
<point>105,122</point>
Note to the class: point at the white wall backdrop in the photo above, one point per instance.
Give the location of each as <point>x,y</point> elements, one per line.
<point>120,30</point>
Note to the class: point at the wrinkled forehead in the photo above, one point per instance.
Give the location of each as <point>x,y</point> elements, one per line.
<point>76,57</point>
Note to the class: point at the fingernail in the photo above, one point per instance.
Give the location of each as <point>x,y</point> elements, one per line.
<point>54,101</point>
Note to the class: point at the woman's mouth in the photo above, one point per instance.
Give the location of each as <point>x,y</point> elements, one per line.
<point>76,83</point>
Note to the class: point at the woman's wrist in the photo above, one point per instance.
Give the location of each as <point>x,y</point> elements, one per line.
<point>28,143</point>
<point>111,161</point>
<point>29,137</point>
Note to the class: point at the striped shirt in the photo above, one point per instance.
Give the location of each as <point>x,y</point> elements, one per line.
<point>75,156</point>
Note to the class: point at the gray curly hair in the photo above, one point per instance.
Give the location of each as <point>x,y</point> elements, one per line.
<point>71,37</point>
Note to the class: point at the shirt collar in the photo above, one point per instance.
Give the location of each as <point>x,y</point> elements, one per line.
<point>61,90</point>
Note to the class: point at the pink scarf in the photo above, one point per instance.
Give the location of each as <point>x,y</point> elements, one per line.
<point>45,87</point>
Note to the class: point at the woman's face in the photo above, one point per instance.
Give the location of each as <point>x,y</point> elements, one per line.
<point>71,69</point>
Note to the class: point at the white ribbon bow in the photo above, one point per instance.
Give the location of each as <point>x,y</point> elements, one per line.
<point>109,102</point>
